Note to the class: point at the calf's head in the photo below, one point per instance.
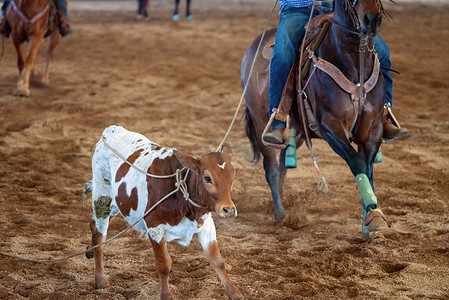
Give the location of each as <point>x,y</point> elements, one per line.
<point>215,178</point>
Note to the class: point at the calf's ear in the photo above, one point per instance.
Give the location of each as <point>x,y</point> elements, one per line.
<point>226,150</point>
<point>188,161</point>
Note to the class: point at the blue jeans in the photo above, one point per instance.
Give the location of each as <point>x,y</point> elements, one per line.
<point>4,7</point>
<point>289,34</point>
<point>384,59</point>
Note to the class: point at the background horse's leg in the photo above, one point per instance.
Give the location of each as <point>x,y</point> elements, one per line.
<point>35,41</point>
<point>20,62</point>
<point>335,134</point>
<point>50,53</point>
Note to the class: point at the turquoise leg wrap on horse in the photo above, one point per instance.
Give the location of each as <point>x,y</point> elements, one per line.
<point>367,198</point>
<point>290,152</point>
<point>378,157</point>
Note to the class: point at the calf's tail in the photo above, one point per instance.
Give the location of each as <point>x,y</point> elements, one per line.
<point>87,189</point>
<point>252,135</point>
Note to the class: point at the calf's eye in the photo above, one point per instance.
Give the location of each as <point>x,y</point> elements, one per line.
<point>207,179</point>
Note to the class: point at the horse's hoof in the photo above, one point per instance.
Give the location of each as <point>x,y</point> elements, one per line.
<point>279,215</point>
<point>22,92</point>
<point>373,222</point>
<point>189,17</point>
<point>45,81</point>
<point>175,17</point>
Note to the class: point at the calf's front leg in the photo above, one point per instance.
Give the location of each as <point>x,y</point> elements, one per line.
<point>217,263</point>
<point>163,266</point>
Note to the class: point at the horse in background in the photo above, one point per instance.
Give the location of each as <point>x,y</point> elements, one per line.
<point>334,109</point>
<point>142,10</point>
<point>188,14</point>
<point>30,22</point>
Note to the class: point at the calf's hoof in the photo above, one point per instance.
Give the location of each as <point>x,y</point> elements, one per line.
<point>101,282</point>
<point>166,296</point>
<point>22,92</point>
<point>373,223</point>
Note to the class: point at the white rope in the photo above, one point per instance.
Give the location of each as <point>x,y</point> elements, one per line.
<point>249,77</point>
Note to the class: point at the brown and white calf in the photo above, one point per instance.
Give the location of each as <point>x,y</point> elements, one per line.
<point>119,188</point>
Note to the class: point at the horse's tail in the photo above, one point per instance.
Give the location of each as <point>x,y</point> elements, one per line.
<point>252,135</point>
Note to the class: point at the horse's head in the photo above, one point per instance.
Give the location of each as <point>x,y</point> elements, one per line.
<point>369,15</point>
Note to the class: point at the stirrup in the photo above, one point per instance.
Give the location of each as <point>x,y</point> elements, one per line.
<point>268,144</point>
<point>391,116</point>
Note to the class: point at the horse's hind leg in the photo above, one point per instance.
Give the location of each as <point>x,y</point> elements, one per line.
<point>272,175</point>
<point>53,41</point>
<point>282,172</point>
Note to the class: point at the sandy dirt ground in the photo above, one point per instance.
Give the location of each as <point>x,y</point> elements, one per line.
<point>178,84</point>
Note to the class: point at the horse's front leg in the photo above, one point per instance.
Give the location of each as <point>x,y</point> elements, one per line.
<point>23,88</point>
<point>368,146</point>
<point>20,62</point>
<point>336,135</point>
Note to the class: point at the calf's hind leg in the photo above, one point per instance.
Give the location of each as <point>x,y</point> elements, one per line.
<point>99,227</point>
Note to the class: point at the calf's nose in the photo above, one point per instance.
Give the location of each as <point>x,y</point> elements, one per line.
<point>230,211</point>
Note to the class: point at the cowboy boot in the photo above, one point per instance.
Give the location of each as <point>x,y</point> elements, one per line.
<point>392,129</point>
<point>5,29</point>
<point>63,21</point>
<point>275,137</point>
<point>64,27</point>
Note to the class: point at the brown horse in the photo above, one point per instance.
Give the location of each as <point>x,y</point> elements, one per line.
<point>31,21</point>
<point>333,108</point>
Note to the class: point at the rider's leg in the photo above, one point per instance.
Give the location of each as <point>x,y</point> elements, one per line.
<point>391,132</point>
<point>289,33</point>
<point>188,14</point>
<point>175,12</point>
<point>5,29</point>
<point>64,25</point>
